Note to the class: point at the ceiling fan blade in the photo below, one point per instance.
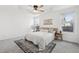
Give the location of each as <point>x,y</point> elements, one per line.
<point>41,10</point>
<point>40,6</point>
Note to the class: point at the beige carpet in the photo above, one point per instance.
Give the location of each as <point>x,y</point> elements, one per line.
<point>66,47</point>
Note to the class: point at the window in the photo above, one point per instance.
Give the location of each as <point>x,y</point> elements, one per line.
<point>36,20</point>
<point>68,23</point>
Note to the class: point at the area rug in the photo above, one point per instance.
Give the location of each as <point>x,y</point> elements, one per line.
<point>29,47</point>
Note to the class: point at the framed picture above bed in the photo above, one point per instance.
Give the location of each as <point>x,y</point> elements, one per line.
<point>47,22</point>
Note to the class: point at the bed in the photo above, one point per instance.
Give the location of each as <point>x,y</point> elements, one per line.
<point>40,38</point>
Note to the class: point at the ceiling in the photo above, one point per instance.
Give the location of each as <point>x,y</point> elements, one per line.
<point>29,8</point>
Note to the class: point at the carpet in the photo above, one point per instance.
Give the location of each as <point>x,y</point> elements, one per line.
<point>29,47</point>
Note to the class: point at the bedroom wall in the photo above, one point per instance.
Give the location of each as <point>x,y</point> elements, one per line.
<point>14,22</point>
<point>57,17</point>
<point>78,24</point>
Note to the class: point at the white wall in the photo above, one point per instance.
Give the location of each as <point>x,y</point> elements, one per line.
<point>78,24</point>
<point>14,22</point>
<point>57,17</point>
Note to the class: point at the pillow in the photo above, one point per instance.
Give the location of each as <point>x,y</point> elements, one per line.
<point>43,30</point>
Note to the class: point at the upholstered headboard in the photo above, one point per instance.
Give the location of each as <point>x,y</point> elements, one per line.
<point>48,26</point>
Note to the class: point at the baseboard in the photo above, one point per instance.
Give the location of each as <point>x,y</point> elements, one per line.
<point>71,42</point>
<point>15,38</point>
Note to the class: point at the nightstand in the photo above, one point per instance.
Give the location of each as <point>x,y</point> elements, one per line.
<point>58,36</point>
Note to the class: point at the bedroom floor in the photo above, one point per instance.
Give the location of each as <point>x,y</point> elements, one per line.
<point>66,47</point>
<point>8,46</point>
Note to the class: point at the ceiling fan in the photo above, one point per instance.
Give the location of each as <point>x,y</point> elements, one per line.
<point>38,8</point>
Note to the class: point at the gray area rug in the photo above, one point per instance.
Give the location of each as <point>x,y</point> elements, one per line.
<point>29,47</point>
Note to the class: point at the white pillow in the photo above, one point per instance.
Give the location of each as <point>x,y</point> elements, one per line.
<point>42,30</point>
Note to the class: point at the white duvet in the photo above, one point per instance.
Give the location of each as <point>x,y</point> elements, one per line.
<point>40,38</point>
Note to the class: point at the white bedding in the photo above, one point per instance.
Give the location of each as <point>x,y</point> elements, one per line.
<point>40,38</point>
